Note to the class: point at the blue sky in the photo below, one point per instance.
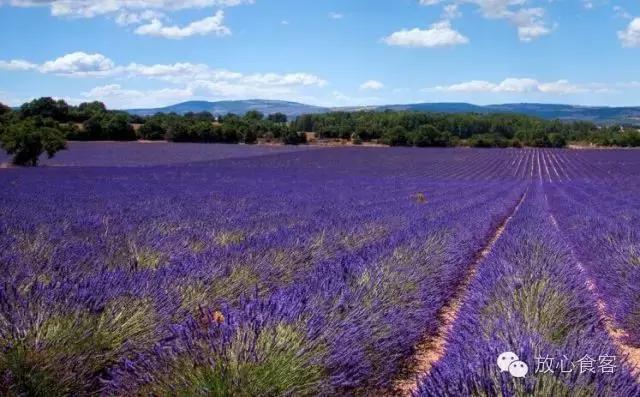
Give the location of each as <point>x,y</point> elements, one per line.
<point>147,53</point>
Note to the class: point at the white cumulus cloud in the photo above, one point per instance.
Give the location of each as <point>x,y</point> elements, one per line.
<point>92,8</point>
<point>372,85</point>
<point>440,34</point>
<point>530,22</point>
<point>211,25</point>
<point>188,80</point>
<point>133,18</point>
<point>17,65</point>
<point>115,95</point>
<point>79,63</point>
<point>631,36</point>
<point>520,85</point>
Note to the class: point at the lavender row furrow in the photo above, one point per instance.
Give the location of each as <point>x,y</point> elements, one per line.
<point>529,299</point>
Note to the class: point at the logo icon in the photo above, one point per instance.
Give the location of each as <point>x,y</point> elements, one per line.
<point>518,369</point>
<point>509,362</point>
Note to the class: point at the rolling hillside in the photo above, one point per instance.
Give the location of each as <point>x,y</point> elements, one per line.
<point>600,115</point>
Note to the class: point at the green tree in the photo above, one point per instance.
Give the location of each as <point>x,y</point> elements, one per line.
<point>250,136</point>
<point>427,135</point>
<point>254,115</point>
<point>27,140</point>
<point>557,140</point>
<point>117,128</point>
<point>292,137</point>
<point>46,107</point>
<point>92,129</point>
<point>230,132</point>
<point>4,109</point>
<point>277,117</point>
<point>152,130</point>
<point>396,136</point>
<point>86,110</point>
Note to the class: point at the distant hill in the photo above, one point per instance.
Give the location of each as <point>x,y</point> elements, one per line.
<point>291,109</point>
<point>596,114</point>
<point>599,114</point>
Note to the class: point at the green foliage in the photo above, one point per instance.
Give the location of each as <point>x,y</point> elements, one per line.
<point>117,128</point>
<point>46,108</point>
<point>92,130</point>
<point>253,115</point>
<point>557,140</point>
<point>388,127</point>
<point>201,116</point>
<point>87,110</point>
<point>616,136</point>
<point>439,129</point>
<point>292,137</point>
<point>60,354</point>
<point>250,136</point>
<point>488,140</point>
<point>152,130</point>
<point>277,117</point>
<point>428,135</point>
<point>231,131</point>
<point>4,109</point>
<point>275,360</point>
<point>396,136</point>
<point>28,139</point>
<point>356,139</point>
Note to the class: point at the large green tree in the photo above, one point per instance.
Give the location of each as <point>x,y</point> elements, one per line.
<point>46,107</point>
<point>4,109</point>
<point>29,139</point>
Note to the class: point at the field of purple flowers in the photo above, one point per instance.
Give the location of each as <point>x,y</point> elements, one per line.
<point>218,270</point>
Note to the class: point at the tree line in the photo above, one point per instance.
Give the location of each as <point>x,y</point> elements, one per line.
<point>470,129</point>
<point>44,125</point>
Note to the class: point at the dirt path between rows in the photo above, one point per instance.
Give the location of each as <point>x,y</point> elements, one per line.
<point>617,335</point>
<point>433,347</point>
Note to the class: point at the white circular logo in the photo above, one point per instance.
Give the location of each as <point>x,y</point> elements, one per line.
<point>518,369</point>
<point>505,359</point>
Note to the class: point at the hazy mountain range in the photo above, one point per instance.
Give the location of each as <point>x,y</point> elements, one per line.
<point>597,114</point>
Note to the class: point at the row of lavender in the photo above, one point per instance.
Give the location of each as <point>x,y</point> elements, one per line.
<point>304,273</point>
<point>529,298</point>
<point>601,219</point>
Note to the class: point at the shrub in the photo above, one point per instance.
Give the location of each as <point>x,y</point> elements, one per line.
<point>488,141</point>
<point>250,136</point>
<point>428,135</point>
<point>356,139</point>
<point>254,115</point>
<point>291,137</point>
<point>230,132</point>
<point>278,117</point>
<point>557,140</point>
<point>397,136</point>
<point>152,130</point>
<point>93,130</point>
<point>118,128</point>
<point>4,109</point>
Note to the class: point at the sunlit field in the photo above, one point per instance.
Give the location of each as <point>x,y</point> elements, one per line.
<point>232,270</point>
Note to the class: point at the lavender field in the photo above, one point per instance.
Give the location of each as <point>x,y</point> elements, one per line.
<point>226,270</point>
